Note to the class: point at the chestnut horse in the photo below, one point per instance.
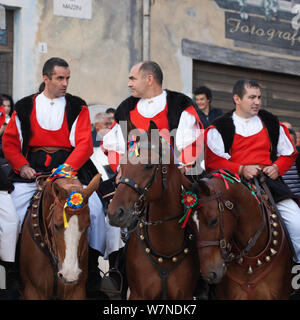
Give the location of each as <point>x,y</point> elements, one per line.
<point>161,259</point>
<point>54,245</point>
<point>241,244</point>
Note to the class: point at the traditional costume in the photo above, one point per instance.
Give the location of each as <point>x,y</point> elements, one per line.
<point>232,141</point>
<point>170,110</point>
<point>9,221</point>
<point>45,133</point>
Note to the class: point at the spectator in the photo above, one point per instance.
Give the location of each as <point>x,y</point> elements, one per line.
<point>7,102</point>
<point>102,123</point>
<point>111,112</point>
<point>292,176</point>
<point>206,112</point>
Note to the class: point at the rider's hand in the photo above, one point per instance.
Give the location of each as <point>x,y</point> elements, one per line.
<point>272,171</point>
<point>250,171</point>
<point>27,172</point>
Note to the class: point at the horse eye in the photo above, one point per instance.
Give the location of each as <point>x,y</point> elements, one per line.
<point>56,227</point>
<point>148,166</point>
<point>213,222</point>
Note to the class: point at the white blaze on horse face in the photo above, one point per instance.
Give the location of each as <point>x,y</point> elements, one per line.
<point>196,220</point>
<point>70,268</point>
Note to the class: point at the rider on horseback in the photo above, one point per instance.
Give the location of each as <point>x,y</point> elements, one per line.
<point>48,129</point>
<point>168,109</point>
<point>249,140</point>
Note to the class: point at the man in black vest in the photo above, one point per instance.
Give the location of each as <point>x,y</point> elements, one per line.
<point>248,140</point>
<point>49,129</point>
<point>203,99</point>
<point>169,110</point>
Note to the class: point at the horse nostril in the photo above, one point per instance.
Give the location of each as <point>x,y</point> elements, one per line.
<point>212,276</point>
<point>120,212</point>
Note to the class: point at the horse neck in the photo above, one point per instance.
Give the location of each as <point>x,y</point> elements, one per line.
<point>250,219</point>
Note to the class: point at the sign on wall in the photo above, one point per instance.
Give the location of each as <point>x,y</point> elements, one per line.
<point>257,30</point>
<point>81,9</point>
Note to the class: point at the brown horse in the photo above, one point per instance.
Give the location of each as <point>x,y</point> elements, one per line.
<point>241,245</point>
<point>160,260</point>
<point>54,247</point>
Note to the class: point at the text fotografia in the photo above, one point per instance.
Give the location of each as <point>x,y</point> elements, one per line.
<point>151,309</point>
<point>258,30</point>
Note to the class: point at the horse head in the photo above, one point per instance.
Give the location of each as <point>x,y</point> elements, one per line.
<point>214,222</point>
<point>144,175</point>
<point>66,220</point>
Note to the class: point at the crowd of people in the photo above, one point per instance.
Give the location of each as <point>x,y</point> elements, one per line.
<point>52,127</point>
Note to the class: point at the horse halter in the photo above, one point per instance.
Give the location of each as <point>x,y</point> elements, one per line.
<point>139,204</point>
<point>222,244</point>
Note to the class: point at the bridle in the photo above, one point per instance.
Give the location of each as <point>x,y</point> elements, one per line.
<point>140,204</point>
<point>225,247</point>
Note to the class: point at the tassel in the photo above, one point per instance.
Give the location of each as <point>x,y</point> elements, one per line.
<point>187,218</point>
<point>48,160</point>
<point>64,216</point>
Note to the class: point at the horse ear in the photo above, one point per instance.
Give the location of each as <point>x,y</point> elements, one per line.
<point>130,126</point>
<point>93,185</point>
<point>204,187</point>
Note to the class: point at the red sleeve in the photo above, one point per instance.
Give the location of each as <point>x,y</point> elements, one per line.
<point>11,145</point>
<point>83,141</point>
<point>284,163</point>
<point>214,162</point>
<point>2,115</point>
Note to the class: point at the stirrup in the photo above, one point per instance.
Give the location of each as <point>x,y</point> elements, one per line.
<point>109,285</point>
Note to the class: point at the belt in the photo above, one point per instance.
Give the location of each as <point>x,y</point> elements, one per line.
<point>50,149</point>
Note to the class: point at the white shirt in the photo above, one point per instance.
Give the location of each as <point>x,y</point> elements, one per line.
<point>50,116</point>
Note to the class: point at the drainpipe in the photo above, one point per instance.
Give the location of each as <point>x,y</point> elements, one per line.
<point>2,18</point>
<point>146,30</point>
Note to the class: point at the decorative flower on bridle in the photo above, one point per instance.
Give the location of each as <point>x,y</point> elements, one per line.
<point>74,201</point>
<point>189,200</point>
